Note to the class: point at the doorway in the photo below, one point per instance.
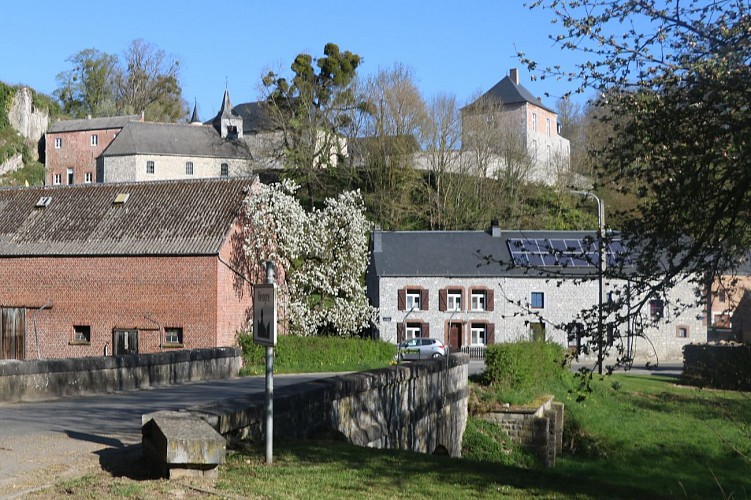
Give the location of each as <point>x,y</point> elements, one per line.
<point>455,336</point>
<point>124,342</point>
<point>12,333</point>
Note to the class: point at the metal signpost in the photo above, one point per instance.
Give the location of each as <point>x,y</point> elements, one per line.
<point>264,333</point>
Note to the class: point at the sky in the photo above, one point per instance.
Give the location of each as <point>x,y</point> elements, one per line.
<point>452,47</point>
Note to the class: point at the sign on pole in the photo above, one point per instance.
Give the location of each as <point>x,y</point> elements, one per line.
<point>264,315</point>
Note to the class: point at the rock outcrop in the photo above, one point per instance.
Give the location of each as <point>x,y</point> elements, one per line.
<point>31,123</point>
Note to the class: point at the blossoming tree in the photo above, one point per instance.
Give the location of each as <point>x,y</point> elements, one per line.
<point>322,256</point>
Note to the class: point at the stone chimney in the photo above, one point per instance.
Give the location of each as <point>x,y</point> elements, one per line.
<point>495,229</point>
<point>514,75</point>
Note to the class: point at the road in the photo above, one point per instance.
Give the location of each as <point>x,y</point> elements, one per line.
<point>43,441</point>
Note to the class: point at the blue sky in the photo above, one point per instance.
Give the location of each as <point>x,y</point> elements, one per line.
<point>453,47</point>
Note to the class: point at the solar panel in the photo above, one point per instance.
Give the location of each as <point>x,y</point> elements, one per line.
<point>564,252</point>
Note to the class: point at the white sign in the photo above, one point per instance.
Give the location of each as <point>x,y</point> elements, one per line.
<point>264,315</point>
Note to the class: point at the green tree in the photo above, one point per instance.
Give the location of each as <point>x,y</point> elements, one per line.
<point>87,88</point>
<point>673,79</point>
<point>310,111</point>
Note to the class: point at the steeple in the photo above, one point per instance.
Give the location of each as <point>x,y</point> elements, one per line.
<point>228,123</point>
<point>194,120</point>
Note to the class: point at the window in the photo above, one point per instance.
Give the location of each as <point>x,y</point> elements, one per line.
<point>534,122</point>
<point>547,126</point>
<point>70,176</point>
<point>414,330</point>
<point>479,333</point>
<point>94,140</point>
<point>57,179</point>
<point>225,169</point>
<point>681,331</point>
<point>58,142</point>
<point>538,300</point>
<point>87,177</point>
<point>656,309</point>
<point>188,168</point>
<point>149,167</point>
<point>454,300</point>
<point>413,299</point>
<point>82,334</point>
<point>722,295</point>
<point>173,335</point>
<point>575,335</point>
<point>478,301</point>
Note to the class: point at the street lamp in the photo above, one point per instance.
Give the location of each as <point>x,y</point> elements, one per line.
<point>601,271</point>
<point>404,329</point>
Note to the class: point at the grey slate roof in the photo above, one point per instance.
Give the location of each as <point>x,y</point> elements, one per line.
<point>109,122</point>
<point>174,139</point>
<point>159,218</point>
<point>255,117</point>
<point>508,92</point>
<point>460,254</point>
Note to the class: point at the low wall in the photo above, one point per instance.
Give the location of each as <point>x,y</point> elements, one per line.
<point>537,428</point>
<point>722,365</point>
<point>420,406</point>
<point>54,378</point>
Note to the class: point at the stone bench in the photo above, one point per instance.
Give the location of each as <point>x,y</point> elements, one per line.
<point>179,444</point>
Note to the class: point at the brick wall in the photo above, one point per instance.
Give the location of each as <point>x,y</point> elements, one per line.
<point>76,152</point>
<point>143,293</point>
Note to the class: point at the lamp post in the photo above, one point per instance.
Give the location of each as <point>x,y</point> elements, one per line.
<point>600,271</point>
<point>404,330</point>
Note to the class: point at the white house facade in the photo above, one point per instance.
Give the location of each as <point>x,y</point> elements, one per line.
<point>466,289</point>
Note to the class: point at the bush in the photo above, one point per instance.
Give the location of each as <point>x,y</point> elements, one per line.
<point>312,354</point>
<point>520,365</point>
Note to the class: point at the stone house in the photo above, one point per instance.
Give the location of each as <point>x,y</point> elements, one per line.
<point>475,288</point>
<point>122,267</point>
<point>523,125</point>
<point>729,306</point>
<point>73,148</point>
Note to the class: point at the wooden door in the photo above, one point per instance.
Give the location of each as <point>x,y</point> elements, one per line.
<point>13,333</point>
<point>124,342</point>
<point>455,337</point>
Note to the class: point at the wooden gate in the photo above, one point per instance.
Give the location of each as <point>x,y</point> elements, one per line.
<point>13,332</point>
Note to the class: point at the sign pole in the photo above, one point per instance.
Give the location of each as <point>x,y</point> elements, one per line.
<point>264,333</point>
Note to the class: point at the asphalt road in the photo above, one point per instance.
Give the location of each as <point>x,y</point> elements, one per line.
<point>43,441</point>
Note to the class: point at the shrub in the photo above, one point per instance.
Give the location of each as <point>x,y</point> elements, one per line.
<point>523,364</point>
<point>316,354</point>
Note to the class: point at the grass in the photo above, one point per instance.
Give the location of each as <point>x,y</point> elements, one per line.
<point>632,437</point>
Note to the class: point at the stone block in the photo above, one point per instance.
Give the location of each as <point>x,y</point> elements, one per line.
<point>179,445</point>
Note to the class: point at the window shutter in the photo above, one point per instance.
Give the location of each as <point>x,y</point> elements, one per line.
<point>490,333</point>
<point>489,299</point>
<point>401,299</point>
<point>442,299</point>
<point>423,300</point>
<point>399,332</point>
<point>425,329</point>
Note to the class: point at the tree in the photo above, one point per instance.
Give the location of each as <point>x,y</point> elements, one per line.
<point>148,83</point>
<point>322,256</point>
<point>674,78</point>
<point>310,110</point>
<point>88,87</point>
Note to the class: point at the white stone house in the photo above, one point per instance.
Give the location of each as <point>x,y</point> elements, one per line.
<point>464,288</point>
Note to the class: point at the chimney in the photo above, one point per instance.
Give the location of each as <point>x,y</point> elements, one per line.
<point>495,229</point>
<point>514,75</point>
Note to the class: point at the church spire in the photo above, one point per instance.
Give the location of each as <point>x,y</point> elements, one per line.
<point>194,120</point>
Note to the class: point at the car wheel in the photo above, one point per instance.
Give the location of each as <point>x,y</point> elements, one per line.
<point>436,355</point>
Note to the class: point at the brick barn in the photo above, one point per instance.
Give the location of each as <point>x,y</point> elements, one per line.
<point>141,267</point>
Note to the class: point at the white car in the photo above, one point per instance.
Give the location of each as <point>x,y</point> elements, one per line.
<point>421,348</point>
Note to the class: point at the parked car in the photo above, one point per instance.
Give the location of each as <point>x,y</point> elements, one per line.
<point>421,348</point>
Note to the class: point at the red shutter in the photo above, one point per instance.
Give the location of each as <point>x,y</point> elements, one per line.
<point>442,299</point>
<point>399,332</point>
<point>401,299</point>
<point>489,299</point>
<point>490,333</point>
<point>423,300</point>
<point>425,330</point>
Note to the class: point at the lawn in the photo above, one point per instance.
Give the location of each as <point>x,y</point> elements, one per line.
<point>632,437</point>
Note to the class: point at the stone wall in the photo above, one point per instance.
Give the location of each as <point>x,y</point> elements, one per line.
<point>420,406</point>
<point>53,378</point>
<point>537,428</point>
<point>724,365</point>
